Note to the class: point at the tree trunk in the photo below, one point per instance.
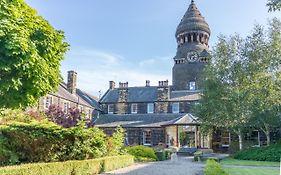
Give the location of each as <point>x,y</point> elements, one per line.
<point>267,133</point>
<point>240,137</point>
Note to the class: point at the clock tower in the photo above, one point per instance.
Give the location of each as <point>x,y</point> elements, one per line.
<point>192,37</point>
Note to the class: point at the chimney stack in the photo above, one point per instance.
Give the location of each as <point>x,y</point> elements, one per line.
<point>147,83</point>
<point>71,81</point>
<point>111,85</point>
<point>163,83</point>
<point>123,85</point>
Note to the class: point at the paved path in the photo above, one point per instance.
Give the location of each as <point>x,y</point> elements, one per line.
<point>180,166</point>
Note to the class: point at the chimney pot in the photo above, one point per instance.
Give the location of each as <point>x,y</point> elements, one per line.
<point>147,83</point>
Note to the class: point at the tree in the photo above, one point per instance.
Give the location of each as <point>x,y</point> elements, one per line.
<point>263,52</point>
<point>30,54</point>
<point>243,80</point>
<point>223,100</point>
<point>274,5</point>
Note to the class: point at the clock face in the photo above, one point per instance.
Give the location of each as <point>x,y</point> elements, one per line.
<point>192,56</point>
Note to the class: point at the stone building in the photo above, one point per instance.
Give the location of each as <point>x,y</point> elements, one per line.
<point>68,96</point>
<point>159,114</point>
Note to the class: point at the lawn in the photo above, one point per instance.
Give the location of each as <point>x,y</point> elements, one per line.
<point>251,171</point>
<point>259,167</point>
<point>249,163</point>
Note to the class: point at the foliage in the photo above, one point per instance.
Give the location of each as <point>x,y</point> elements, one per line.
<point>163,155</point>
<point>270,153</point>
<point>274,5</point>
<point>198,155</point>
<point>115,143</point>
<point>10,115</point>
<point>65,119</point>
<point>94,166</point>
<point>30,51</point>
<point>243,80</point>
<point>46,142</point>
<point>142,153</point>
<point>214,168</point>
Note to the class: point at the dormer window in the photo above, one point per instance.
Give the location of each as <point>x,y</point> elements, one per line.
<point>192,85</point>
<point>134,108</point>
<point>110,108</point>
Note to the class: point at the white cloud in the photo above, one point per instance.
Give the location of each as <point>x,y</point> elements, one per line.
<point>96,68</point>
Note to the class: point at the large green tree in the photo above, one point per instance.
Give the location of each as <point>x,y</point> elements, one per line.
<point>243,80</point>
<point>30,54</point>
<point>274,5</point>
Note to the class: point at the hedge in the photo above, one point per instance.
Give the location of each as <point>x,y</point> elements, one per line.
<point>214,168</point>
<point>270,153</point>
<point>82,167</point>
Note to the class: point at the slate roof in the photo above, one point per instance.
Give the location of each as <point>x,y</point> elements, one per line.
<point>143,120</point>
<point>185,95</point>
<point>135,94</point>
<point>193,21</point>
<point>79,97</point>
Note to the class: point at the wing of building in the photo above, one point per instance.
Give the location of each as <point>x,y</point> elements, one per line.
<point>159,114</point>
<point>68,96</point>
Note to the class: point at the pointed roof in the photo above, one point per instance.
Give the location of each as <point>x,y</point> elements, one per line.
<point>193,21</point>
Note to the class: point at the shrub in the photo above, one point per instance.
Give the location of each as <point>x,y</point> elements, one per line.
<point>142,153</point>
<point>214,168</point>
<point>115,144</point>
<point>271,153</point>
<point>163,155</point>
<point>46,142</point>
<point>89,167</point>
<point>198,155</point>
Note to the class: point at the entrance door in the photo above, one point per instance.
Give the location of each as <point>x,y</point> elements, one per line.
<point>187,136</point>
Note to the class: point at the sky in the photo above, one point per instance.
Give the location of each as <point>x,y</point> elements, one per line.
<point>134,41</point>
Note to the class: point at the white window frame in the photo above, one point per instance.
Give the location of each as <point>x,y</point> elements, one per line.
<point>150,108</point>
<point>145,143</point>
<point>48,102</point>
<point>192,85</point>
<point>176,108</point>
<point>134,108</point>
<point>81,109</point>
<point>110,106</point>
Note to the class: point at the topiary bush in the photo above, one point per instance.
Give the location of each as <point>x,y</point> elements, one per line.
<point>270,153</point>
<point>142,153</point>
<point>214,168</point>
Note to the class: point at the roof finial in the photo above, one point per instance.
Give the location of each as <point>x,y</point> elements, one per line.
<point>192,1</point>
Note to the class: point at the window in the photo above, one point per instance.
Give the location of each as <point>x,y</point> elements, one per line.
<point>150,108</point>
<point>110,108</point>
<point>80,108</point>
<point>147,137</point>
<point>48,102</point>
<point>176,107</point>
<point>65,106</point>
<point>134,108</point>
<point>192,85</point>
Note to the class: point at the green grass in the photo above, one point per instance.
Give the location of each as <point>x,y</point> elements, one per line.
<point>251,171</point>
<point>249,163</point>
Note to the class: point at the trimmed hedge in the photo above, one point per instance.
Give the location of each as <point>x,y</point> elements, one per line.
<point>142,153</point>
<point>84,167</point>
<point>271,153</point>
<point>214,168</point>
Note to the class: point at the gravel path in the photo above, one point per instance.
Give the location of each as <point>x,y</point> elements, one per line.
<point>180,166</point>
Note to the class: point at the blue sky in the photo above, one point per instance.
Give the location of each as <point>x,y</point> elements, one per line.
<point>125,40</point>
